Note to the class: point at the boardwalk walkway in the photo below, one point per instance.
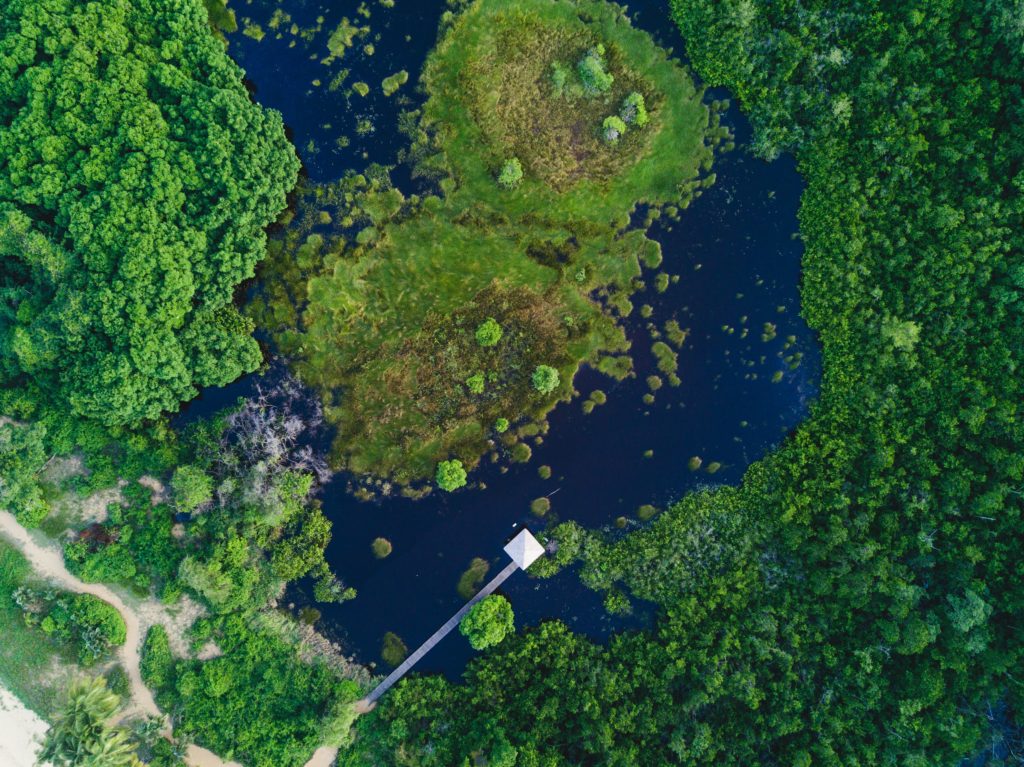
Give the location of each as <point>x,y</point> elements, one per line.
<point>437,636</point>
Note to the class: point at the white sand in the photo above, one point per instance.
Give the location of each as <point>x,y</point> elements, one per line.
<point>21,732</point>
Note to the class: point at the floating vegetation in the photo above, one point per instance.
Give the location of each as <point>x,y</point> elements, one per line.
<point>654,382</point>
<point>361,88</point>
<point>473,578</point>
<point>668,361</point>
<point>342,39</point>
<point>646,512</point>
<point>540,506</point>
<point>521,453</point>
<point>695,463</point>
<point>393,82</point>
<point>255,31</point>
<point>768,332</point>
<point>381,547</point>
<point>544,472</point>
<point>713,467</point>
<point>393,650</point>
<point>675,334</point>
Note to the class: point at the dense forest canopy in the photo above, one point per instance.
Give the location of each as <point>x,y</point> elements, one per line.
<point>136,177</point>
<point>858,600</point>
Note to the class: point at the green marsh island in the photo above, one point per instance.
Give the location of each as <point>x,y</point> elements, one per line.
<point>439,328</point>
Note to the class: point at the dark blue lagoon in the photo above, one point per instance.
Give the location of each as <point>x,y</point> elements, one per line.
<point>749,367</point>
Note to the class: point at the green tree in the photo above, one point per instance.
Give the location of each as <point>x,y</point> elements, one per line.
<point>634,110</point>
<point>82,735</point>
<point>133,200</point>
<point>488,622</point>
<point>451,475</point>
<point>489,332</point>
<point>192,487</point>
<point>545,379</point>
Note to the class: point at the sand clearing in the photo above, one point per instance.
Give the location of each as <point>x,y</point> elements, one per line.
<point>21,732</point>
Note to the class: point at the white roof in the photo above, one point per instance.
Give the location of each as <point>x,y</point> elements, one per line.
<point>524,549</point>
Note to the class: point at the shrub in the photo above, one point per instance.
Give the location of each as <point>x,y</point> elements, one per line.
<point>612,129</point>
<point>381,547</point>
<point>475,383</point>
<point>545,379</point>
<point>559,77</point>
<point>451,475</point>
<point>501,425</point>
<point>511,174</point>
<point>157,664</point>
<point>488,622</point>
<point>592,72</point>
<point>634,110</point>
<point>489,332</point>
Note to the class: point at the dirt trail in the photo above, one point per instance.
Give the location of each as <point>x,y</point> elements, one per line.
<point>48,563</point>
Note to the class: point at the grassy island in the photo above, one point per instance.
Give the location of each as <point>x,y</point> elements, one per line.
<point>527,243</point>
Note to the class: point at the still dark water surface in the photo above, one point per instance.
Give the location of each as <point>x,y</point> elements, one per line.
<point>737,256</point>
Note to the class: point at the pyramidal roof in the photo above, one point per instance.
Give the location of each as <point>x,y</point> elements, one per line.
<point>524,549</point>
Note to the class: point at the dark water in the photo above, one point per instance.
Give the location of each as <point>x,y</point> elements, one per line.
<point>736,255</point>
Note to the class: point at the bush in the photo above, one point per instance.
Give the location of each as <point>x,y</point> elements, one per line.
<point>501,425</point>
<point>192,487</point>
<point>511,174</point>
<point>540,506</point>
<point>545,379</point>
<point>450,475</point>
<point>489,332</point>
<point>488,622</point>
<point>612,129</point>
<point>592,72</point>
<point>475,383</point>
<point>157,664</point>
<point>381,547</point>
<point>86,621</point>
<point>634,110</point>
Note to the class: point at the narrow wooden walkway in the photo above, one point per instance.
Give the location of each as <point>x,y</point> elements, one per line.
<point>371,699</point>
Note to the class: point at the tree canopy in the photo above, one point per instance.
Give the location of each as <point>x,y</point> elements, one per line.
<point>488,622</point>
<point>136,178</point>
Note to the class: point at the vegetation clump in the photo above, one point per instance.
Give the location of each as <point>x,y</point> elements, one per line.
<point>488,332</point>
<point>393,650</point>
<point>488,622</point>
<point>450,475</point>
<point>381,547</point>
<point>511,175</point>
<point>552,266</point>
<point>593,72</point>
<point>545,379</point>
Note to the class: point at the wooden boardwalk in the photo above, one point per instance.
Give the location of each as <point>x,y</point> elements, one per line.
<point>370,700</point>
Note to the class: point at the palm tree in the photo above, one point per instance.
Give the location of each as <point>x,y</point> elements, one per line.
<point>81,736</point>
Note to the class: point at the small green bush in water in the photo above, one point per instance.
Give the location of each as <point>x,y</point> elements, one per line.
<point>393,650</point>
<point>488,622</point>
<point>381,547</point>
<point>612,129</point>
<point>592,73</point>
<point>545,379</point>
<point>501,425</point>
<point>451,475</point>
<point>489,332</point>
<point>511,174</point>
<point>634,110</point>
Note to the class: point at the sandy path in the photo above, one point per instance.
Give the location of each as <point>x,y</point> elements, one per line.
<point>48,563</point>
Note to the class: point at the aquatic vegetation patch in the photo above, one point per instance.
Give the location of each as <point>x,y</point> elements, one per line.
<point>432,323</point>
